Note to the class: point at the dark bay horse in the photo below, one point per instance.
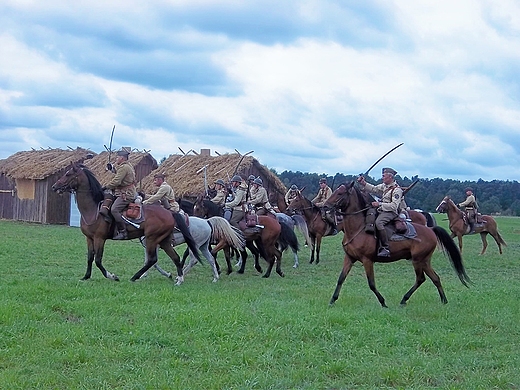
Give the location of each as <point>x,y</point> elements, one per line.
<point>459,225</point>
<point>316,226</point>
<point>157,228</point>
<point>263,242</point>
<point>360,246</point>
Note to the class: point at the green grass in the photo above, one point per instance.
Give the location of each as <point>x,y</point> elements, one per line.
<point>247,332</point>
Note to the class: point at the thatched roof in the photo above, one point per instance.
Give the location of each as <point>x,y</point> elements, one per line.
<point>98,164</point>
<point>185,173</point>
<point>39,164</point>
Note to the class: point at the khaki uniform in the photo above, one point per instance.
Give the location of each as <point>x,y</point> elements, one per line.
<point>323,194</point>
<point>220,198</point>
<point>237,204</point>
<point>258,198</point>
<point>470,207</point>
<point>123,183</point>
<point>166,196</point>
<point>391,196</point>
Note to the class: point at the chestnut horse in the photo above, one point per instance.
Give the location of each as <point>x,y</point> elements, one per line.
<point>157,227</point>
<point>361,246</point>
<point>266,239</point>
<point>459,225</point>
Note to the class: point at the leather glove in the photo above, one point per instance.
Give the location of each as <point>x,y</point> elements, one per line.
<point>110,167</point>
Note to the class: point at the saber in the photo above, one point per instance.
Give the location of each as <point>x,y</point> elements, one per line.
<point>109,164</point>
<point>380,158</point>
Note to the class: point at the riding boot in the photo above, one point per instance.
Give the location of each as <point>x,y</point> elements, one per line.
<point>471,227</point>
<point>105,206</point>
<point>121,234</point>
<point>384,251</point>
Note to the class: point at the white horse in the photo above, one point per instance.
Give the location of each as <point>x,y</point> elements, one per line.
<point>205,232</point>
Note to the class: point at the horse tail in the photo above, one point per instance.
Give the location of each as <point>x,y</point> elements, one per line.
<point>180,223</point>
<point>449,248</point>
<point>301,225</point>
<point>500,239</point>
<point>430,219</point>
<point>288,238</point>
<point>221,229</point>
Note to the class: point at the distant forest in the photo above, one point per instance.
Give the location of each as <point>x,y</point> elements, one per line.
<point>494,197</point>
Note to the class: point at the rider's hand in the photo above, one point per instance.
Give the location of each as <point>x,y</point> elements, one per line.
<point>361,180</point>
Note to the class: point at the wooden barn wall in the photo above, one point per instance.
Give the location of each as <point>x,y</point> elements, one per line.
<point>47,206</point>
<point>7,199</point>
<point>142,170</point>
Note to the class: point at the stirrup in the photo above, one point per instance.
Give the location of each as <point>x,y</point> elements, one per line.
<point>383,252</point>
<point>121,235</point>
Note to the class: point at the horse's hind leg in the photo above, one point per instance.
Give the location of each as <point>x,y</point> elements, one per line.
<point>419,279</point>
<point>436,281</point>
<point>151,259</point>
<point>483,237</point>
<point>167,247</point>
<point>278,259</point>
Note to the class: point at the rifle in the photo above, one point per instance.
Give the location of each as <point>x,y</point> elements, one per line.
<point>405,190</point>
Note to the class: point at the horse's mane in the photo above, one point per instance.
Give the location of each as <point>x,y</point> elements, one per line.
<point>212,208</point>
<point>95,186</point>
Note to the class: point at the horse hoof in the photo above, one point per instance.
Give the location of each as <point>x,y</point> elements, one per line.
<point>215,280</point>
<point>295,266</point>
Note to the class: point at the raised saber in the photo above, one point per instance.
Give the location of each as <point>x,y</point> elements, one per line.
<point>109,149</point>
<point>380,158</point>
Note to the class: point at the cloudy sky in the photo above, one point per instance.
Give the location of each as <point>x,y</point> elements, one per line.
<point>312,86</point>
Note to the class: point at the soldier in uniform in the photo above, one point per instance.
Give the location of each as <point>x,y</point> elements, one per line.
<point>123,186</point>
<point>470,207</point>
<point>319,200</point>
<point>165,194</point>
<point>259,199</point>
<point>388,207</point>
<point>239,188</point>
<point>220,198</point>
<point>291,194</point>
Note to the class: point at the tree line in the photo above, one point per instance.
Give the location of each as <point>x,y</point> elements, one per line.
<point>495,197</point>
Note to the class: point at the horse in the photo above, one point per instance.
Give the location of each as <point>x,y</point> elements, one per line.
<point>204,232</point>
<point>422,217</point>
<point>157,226</point>
<point>293,221</point>
<point>266,238</point>
<point>459,225</point>
<point>317,227</point>
<point>361,246</point>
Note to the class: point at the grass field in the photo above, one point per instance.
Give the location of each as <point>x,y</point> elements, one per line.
<point>247,332</point>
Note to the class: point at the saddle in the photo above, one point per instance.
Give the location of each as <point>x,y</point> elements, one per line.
<point>250,224</point>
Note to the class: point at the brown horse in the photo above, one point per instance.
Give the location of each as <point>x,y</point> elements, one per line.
<point>316,226</point>
<point>157,226</point>
<point>265,239</point>
<point>459,225</point>
<point>361,246</point>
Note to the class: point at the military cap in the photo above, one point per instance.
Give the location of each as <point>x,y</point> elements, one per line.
<point>258,181</point>
<point>159,176</point>
<point>389,170</point>
<point>237,179</point>
<point>323,180</point>
<point>221,182</point>
<point>251,177</point>
<point>123,153</point>
<point>468,189</point>
<point>294,187</point>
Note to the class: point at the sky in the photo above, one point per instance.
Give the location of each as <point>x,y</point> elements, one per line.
<point>313,86</point>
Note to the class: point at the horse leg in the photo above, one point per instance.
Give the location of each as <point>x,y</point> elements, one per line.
<point>313,246</point>
<point>156,266</point>
<point>243,254</point>
<point>167,247</point>
<point>318,247</point>
<point>99,245</point>
<point>483,236</point>
<point>151,259</point>
<point>495,236</point>
<point>90,258</point>
<point>347,266</point>
<point>369,271</point>
<point>436,281</point>
<point>278,260</point>
<point>459,237</point>
<point>296,261</point>
<point>419,279</point>
<point>207,254</point>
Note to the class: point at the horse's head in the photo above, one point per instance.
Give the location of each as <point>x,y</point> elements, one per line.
<point>347,196</point>
<point>69,181</point>
<point>299,203</point>
<point>443,206</point>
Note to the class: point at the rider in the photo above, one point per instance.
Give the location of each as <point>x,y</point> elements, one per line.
<point>470,207</point>
<point>220,198</point>
<point>165,194</point>
<point>259,199</point>
<point>291,194</point>
<point>123,186</point>
<point>239,188</point>
<point>388,207</point>
<point>319,200</point>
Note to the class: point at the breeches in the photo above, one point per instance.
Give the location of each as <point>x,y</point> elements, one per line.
<point>117,208</point>
<point>237,216</point>
<point>384,218</point>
